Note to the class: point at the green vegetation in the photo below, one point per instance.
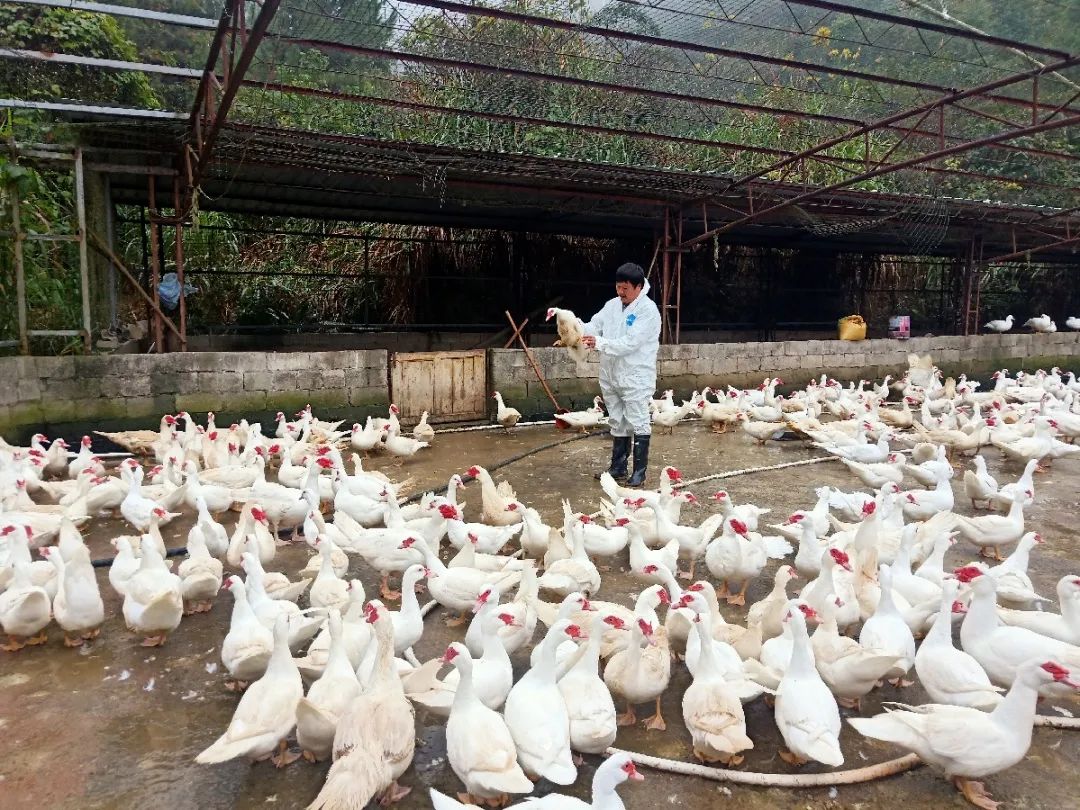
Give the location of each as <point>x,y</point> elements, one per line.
<point>306,278</point>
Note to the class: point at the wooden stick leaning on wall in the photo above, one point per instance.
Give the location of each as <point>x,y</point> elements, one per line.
<point>532,362</point>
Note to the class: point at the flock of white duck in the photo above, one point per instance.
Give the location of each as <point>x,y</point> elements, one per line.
<point>874,562</point>
<point>1037,323</point>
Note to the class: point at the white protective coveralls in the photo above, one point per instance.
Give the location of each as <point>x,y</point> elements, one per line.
<point>628,340</point>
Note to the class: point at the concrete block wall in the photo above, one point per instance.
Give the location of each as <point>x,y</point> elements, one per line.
<point>128,390</point>
<point>123,390</point>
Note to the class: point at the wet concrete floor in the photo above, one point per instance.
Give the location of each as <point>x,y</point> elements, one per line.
<point>116,725</point>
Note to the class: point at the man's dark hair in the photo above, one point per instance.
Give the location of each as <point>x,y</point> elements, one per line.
<point>631,273</point>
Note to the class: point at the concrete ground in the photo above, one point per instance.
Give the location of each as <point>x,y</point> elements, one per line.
<point>116,725</point>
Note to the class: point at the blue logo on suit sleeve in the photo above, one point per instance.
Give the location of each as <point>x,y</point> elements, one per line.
<point>630,319</point>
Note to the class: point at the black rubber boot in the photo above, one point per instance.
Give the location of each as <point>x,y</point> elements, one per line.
<point>620,454</point>
<point>641,461</point>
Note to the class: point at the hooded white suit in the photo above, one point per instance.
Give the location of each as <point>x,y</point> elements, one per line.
<point>628,340</point>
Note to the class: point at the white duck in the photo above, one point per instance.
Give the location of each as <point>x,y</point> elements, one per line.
<point>495,500</point>
<point>318,713</point>
<point>248,645</point>
<point>588,700</point>
<point>212,533</point>
<point>947,674</point>
<point>25,610</point>
<point>1000,649</point>
<point>979,485</point>
<point>153,598</point>
<point>456,588</point>
<point>1064,626</point>
<point>357,636</point>
<point>507,417</point>
<point>920,504</point>
<point>849,669</point>
<point>423,432</point>
<point>575,573</point>
<point>376,735</point>
<point>1041,323</point>
<point>768,614</point>
<point>736,556</point>
<point>479,745</point>
<point>137,509</point>
<point>999,325</point>
<point>266,714</point>
<point>1022,489</point>
<point>537,717</point>
<point>200,575</point>
<point>993,531</point>
<point>253,523</point>
<point>806,712</point>
<point>612,772</point>
<point>712,711</point>
<point>492,672</point>
<point>968,743</point>
<point>328,590</point>
<point>639,677</point>
<point>77,607</point>
<point>887,632</point>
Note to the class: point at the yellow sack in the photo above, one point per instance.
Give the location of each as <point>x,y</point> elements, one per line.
<point>853,327</point>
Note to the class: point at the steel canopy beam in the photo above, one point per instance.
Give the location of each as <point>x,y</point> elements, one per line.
<point>882,170</point>
<point>940,28</point>
<point>891,120</point>
<point>592,84</point>
<point>234,67</point>
<point>664,42</point>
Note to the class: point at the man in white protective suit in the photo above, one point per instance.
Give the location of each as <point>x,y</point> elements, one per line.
<point>626,332</point>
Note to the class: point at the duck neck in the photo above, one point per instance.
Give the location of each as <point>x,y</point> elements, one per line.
<point>1070,609</point>
<point>802,658</point>
<point>409,603</point>
<point>1018,560</point>
<point>465,694</point>
<point>941,630</point>
<point>707,663</point>
<point>981,617</point>
<point>604,796</point>
<point>1016,712</point>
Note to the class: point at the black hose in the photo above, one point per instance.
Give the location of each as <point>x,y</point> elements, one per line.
<point>106,562</point>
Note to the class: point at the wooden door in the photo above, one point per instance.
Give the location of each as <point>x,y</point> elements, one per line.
<point>450,386</point>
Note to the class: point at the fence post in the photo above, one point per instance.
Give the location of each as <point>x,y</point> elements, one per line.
<point>84,265</point>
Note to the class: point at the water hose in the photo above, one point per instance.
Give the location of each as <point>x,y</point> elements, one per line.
<point>782,780</point>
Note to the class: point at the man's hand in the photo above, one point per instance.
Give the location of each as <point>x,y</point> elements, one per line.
<point>588,341</point>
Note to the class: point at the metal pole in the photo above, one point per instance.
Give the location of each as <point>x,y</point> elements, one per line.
<point>84,266</point>
<point>678,278</point>
<point>179,257</point>
<point>155,264</point>
<point>665,282</point>
<point>20,272</point>
<point>110,236</point>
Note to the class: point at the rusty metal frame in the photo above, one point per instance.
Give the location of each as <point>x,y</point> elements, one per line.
<point>665,42</point>
<point>940,103</point>
<point>883,170</point>
<point>940,28</point>
<point>709,101</point>
<point>214,97</point>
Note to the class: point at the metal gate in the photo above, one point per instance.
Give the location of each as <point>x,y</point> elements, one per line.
<point>450,386</point>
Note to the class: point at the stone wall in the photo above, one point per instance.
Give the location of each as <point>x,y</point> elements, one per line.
<point>127,390</point>
<point>118,391</point>
<point>688,366</point>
